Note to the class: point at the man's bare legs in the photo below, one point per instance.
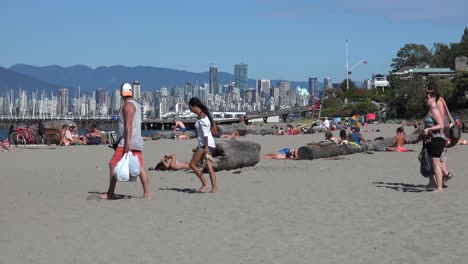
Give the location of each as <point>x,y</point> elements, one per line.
<point>144,182</point>
<point>197,156</point>
<point>112,183</point>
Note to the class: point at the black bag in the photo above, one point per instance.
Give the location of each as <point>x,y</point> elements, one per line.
<point>454,130</point>
<point>116,143</point>
<point>427,167</point>
<point>455,134</point>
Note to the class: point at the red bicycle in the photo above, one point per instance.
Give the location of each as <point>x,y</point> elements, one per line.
<point>23,136</point>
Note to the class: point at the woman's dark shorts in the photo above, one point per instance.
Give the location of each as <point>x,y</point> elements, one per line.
<point>435,147</point>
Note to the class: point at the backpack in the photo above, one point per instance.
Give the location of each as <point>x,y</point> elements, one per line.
<point>454,131</point>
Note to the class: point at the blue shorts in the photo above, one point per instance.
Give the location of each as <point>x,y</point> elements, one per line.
<point>182,129</point>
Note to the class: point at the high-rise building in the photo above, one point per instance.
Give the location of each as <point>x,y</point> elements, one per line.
<point>313,87</point>
<point>263,88</point>
<point>116,102</point>
<point>240,76</point>
<point>213,79</point>
<point>284,87</point>
<point>62,104</point>
<point>327,83</point>
<point>136,91</point>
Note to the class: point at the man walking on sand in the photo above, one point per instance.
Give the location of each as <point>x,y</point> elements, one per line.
<point>130,131</point>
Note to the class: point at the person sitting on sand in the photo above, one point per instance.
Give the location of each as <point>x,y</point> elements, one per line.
<point>356,136</point>
<point>399,141</point>
<point>63,136</point>
<point>343,137</point>
<point>93,137</point>
<point>285,153</point>
<point>169,162</point>
<point>330,138</point>
<point>179,126</point>
<point>71,136</point>
<point>281,131</point>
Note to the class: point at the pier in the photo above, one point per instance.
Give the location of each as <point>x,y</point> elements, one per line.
<point>110,122</point>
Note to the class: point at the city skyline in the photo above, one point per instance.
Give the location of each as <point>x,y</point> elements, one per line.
<point>293,40</point>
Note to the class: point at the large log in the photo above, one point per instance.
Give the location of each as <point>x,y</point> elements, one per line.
<point>52,129</point>
<point>171,135</point>
<point>229,129</point>
<point>233,154</point>
<point>327,149</point>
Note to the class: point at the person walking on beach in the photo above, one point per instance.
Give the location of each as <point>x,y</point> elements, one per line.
<point>206,143</point>
<point>442,106</point>
<point>130,131</point>
<point>434,137</point>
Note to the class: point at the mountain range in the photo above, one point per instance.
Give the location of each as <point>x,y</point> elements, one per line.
<point>51,78</point>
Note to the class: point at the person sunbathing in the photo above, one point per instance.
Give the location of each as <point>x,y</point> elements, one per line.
<point>399,141</point>
<point>234,134</point>
<point>285,153</point>
<point>4,147</point>
<point>169,162</point>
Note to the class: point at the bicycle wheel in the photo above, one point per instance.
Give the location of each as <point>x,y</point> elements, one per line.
<point>17,139</point>
<point>13,138</point>
<point>21,140</point>
<point>40,140</point>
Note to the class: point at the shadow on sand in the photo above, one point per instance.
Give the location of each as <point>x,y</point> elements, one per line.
<point>95,196</point>
<point>184,190</point>
<point>402,187</point>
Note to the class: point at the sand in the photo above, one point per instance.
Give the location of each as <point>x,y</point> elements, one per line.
<point>362,208</point>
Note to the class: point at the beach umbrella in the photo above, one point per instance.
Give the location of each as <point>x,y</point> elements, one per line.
<point>356,120</point>
<point>370,116</point>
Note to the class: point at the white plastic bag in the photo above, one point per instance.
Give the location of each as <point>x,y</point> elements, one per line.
<point>122,170</point>
<point>134,167</point>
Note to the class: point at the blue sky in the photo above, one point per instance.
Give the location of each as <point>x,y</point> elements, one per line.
<point>278,39</point>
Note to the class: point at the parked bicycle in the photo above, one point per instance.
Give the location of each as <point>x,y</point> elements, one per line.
<point>25,135</point>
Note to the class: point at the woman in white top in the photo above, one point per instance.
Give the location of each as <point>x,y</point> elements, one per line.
<point>206,143</point>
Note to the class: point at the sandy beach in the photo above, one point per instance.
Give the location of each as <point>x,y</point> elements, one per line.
<point>361,208</point>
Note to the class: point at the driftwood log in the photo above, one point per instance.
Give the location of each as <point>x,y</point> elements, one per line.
<point>315,129</point>
<point>326,149</point>
<point>229,129</point>
<point>233,154</point>
<point>52,129</point>
<point>171,135</point>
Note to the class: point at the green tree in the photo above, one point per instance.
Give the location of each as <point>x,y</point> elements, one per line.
<point>461,89</point>
<point>411,55</point>
<point>363,108</point>
<point>443,56</point>
<point>331,106</point>
<point>408,98</point>
<point>352,85</point>
<point>332,92</point>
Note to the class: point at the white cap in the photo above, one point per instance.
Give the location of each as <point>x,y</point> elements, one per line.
<point>126,89</point>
